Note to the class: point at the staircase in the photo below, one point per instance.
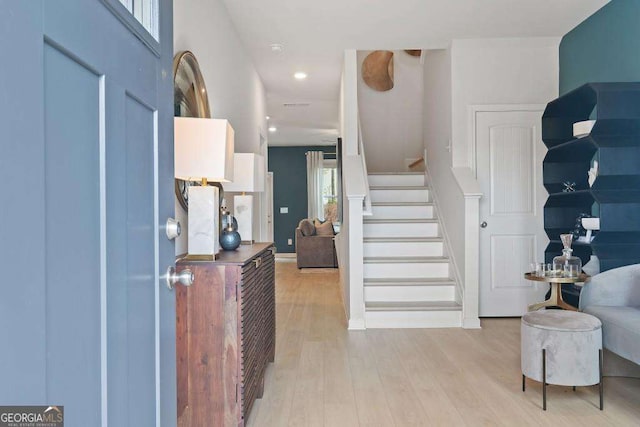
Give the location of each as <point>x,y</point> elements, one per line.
<point>407,277</point>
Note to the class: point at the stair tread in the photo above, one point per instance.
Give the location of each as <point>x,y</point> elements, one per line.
<point>395,173</point>
<point>413,306</point>
<point>400,220</point>
<point>405,259</point>
<point>402,204</point>
<point>403,239</point>
<point>398,187</point>
<point>407,281</point>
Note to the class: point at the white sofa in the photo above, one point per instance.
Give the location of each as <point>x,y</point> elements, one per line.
<point>614,297</point>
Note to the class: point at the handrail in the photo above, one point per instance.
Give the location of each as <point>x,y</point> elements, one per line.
<point>366,203</point>
<point>416,163</point>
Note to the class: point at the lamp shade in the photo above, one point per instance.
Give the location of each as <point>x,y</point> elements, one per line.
<point>248,173</point>
<point>203,148</point>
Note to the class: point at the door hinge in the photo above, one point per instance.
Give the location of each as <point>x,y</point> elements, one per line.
<point>236,393</point>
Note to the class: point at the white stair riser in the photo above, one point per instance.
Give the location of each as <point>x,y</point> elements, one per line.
<point>419,229</point>
<point>413,319</point>
<point>413,249</point>
<point>396,180</point>
<point>403,212</point>
<point>400,195</point>
<point>402,270</point>
<point>402,293</point>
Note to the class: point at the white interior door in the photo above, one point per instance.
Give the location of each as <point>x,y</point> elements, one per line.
<point>509,164</point>
<point>269,190</point>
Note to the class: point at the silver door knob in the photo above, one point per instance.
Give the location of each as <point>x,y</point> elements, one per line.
<point>483,224</point>
<point>173,228</point>
<point>185,277</point>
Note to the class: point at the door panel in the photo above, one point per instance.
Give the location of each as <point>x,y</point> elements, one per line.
<point>72,103</point>
<point>510,153</point>
<point>512,186</point>
<point>510,256</point>
<point>141,264</point>
<point>90,133</point>
<point>22,228</point>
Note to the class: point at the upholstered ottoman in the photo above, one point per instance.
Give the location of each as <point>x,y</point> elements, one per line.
<point>561,347</point>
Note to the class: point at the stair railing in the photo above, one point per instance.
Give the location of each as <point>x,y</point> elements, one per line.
<point>366,203</point>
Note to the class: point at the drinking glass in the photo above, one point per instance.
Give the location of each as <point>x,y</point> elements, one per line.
<point>553,270</point>
<point>571,270</point>
<point>539,269</point>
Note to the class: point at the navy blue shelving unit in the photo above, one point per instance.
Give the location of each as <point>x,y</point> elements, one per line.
<point>615,195</point>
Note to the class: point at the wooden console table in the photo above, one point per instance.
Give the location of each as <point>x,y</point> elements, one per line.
<point>225,335</point>
<point>555,299</point>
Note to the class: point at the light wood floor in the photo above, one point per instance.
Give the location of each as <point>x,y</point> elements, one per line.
<point>325,375</point>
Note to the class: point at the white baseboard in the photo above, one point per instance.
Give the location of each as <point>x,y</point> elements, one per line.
<point>285,257</point>
<point>471,323</point>
<point>356,325</point>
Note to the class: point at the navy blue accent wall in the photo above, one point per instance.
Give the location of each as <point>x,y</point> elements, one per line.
<point>289,167</point>
<point>603,48</point>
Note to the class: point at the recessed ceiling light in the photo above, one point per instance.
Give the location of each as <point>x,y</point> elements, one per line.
<point>300,75</point>
<point>267,117</point>
<point>272,128</point>
<point>277,47</point>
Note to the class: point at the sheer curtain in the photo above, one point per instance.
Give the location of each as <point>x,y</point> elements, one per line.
<point>315,161</point>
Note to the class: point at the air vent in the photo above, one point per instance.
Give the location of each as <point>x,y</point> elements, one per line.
<point>296,104</point>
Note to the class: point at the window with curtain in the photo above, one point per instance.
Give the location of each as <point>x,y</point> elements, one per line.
<point>315,164</point>
<point>330,190</point>
<point>322,187</point>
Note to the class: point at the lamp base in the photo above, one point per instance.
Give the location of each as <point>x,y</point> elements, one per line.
<point>243,211</point>
<point>203,222</point>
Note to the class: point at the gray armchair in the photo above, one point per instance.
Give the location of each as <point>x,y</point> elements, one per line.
<point>614,298</point>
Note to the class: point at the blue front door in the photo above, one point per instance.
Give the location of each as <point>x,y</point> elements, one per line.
<point>86,163</point>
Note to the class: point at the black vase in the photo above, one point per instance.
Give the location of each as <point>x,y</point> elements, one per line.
<point>230,239</point>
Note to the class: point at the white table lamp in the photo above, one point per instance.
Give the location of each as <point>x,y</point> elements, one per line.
<point>249,171</point>
<point>203,151</point>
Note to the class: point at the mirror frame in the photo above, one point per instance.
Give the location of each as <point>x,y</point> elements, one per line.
<point>190,99</point>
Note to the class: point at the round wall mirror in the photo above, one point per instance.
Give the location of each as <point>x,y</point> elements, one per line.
<point>189,100</point>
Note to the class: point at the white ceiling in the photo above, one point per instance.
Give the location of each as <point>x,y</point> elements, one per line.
<point>316,33</point>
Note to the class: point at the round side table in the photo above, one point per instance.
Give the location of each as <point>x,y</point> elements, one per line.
<point>555,299</point>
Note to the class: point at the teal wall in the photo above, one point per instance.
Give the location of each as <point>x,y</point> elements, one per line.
<point>289,167</point>
<point>603,48</point>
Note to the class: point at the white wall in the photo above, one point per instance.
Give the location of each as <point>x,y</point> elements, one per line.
<point>235,90</point>
<point>349,103</point>
<point>498,71</point>
<point>437,143</point>
<point>350,265</point>
<point>476,72</point>
<point>392,120</point>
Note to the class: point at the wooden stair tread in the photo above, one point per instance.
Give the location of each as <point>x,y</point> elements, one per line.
<point>398,187</point>
<point>402,204</point>
<point>404,260</point>
<point>403,240</point>
<point>410,281</point>
<point>395,173</point>
<point>400,221</point>
<point>413,306</point>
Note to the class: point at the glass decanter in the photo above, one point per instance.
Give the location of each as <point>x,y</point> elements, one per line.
<point>566,264</point>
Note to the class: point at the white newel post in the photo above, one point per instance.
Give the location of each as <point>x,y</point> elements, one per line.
<point>356,263</point>
<point>470,307</point>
